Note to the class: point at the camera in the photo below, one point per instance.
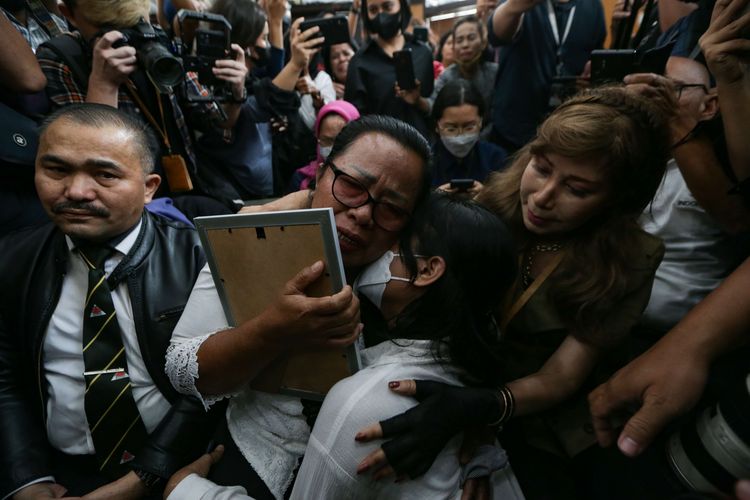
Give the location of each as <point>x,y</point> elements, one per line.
<point>712,451</point>
<point>153,54</point>
<point>203,39</point>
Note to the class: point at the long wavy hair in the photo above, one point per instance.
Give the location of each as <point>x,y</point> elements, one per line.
<point>627,136</point>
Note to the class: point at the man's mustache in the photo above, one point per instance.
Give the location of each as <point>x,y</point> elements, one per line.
<point>82,206</point>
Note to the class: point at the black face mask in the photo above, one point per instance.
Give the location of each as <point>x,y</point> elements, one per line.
<point>386,25</point>
<point>262,56</point>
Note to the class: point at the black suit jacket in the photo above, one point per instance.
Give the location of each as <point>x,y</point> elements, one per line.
<point>160,271</point>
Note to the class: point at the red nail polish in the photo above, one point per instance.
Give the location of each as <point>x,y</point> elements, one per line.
<point>394,385</point>
<point>359,437</point>
<point>362,468</point>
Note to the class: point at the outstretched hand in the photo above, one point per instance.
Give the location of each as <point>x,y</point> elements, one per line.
<point>662,383</point>
<point>201,467</point>
<point>418,435</point>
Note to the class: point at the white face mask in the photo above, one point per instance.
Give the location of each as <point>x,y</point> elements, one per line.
<point>372,281</point>
<point>325,151</point>
<point>460,145</point>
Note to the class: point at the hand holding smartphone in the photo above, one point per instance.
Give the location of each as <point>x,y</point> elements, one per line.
<point>404,69</point>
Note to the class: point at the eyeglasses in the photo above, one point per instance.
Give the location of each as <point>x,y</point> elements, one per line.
<point>454,130</point>
<point>353,194</point>
<point>683,86</point>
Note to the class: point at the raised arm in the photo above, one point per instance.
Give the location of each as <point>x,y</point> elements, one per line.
<point>304,45</point>
<point>507,18</point>
<point>727,53</point>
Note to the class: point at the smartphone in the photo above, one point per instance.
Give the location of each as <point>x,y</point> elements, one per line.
<point>421,34</point>
<point>404,69</point>
<point>614,65</point>
<point>462,184</point>
<point>611,65</point>
<point>334,29</point>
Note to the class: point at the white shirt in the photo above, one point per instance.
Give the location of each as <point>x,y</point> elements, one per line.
<point>327,92</point>
<point>67,426</point>
<point>698,254</point>
<point>329,467</point>
<point>269,429</point>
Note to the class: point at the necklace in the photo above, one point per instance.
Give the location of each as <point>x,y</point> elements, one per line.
<point>529,261</point>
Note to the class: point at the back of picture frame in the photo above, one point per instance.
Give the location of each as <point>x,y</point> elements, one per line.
<point>252,256</point>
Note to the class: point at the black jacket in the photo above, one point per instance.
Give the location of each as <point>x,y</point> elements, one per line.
<point>160,271</point>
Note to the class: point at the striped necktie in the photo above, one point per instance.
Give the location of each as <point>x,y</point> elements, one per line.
<point>114,421</point>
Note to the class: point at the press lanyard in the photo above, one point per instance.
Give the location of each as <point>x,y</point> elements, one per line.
<point>163,129</point>
<point>553,24</point>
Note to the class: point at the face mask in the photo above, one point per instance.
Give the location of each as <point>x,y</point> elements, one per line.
<point>386,25</point>
<point>262,55</point>
<point>325,151</point>
<point>460,145</point>
<point>372,281</point>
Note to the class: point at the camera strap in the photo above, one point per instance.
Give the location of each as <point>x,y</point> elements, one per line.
<point>174,165</point>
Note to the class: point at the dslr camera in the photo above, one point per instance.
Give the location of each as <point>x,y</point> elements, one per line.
<point>152,47</point>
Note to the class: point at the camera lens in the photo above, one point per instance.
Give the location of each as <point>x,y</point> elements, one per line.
<point>164,69</point>
<point>712,451</point>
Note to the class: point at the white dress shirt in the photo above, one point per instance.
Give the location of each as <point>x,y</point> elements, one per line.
<point>67,426</point>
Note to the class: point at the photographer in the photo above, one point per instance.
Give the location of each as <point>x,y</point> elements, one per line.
<point>94,65</point>
<point>245,160</point>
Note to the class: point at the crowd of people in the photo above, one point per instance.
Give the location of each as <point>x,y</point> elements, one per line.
<point>544,273</point>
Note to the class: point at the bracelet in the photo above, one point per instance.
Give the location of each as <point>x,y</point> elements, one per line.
<point>508,402</point>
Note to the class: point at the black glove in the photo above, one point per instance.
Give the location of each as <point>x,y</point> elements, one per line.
<point>420,433</point>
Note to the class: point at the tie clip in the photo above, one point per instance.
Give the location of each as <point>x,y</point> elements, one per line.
<point>103,372</point>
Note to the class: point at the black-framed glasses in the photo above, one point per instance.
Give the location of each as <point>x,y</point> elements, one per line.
<point>683,86</point>
<point>353,194</point>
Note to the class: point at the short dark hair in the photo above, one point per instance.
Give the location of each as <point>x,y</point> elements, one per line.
<point>325,54</point>
<point>472,20</point>
<point>246,17</point>
<point>401,132</point>
<point>456,93</point>
<point>405,12</point>
<point>101,115</point>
